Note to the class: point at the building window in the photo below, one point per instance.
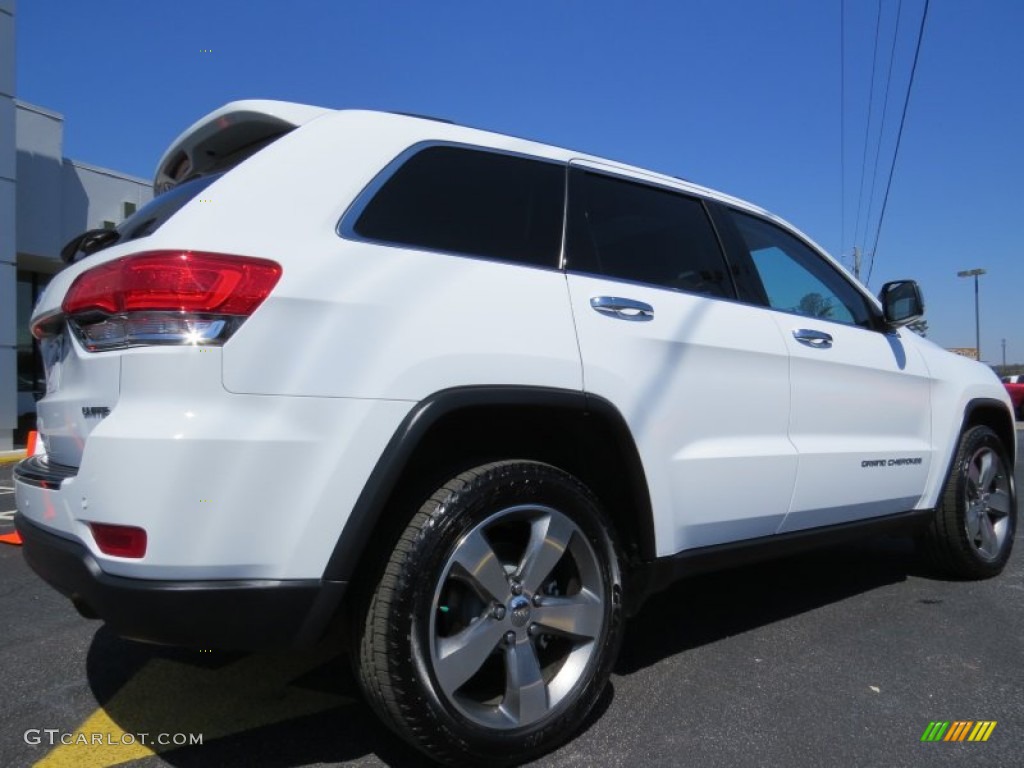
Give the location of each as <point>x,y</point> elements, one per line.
<point>31,377</point>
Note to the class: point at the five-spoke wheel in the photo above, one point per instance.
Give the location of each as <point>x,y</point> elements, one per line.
<point>972,533</point>
<point>988,502</point>
<point>516,613</point>
<point>494,625</point>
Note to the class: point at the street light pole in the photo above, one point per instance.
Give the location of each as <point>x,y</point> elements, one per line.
<point>975,273</point>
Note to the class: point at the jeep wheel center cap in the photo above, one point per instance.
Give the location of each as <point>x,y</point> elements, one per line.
<point>519,608</point>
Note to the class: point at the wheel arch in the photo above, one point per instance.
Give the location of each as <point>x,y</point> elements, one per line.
<point>953,548</point>
<point>455,429</point>
<point>992,414</point>
<point>988,412</point>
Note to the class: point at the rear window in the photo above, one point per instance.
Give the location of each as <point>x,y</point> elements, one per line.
<point>145,221</point>
<point>471,202</point>
<point>150,217</point>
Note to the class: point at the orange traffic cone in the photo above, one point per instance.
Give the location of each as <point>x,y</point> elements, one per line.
<point>14,537</point>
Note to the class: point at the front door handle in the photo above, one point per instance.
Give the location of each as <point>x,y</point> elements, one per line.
<point>813,339</point>
<point>623,309</point>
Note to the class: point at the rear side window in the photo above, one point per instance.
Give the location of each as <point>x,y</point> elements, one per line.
<point>471,202</point>
<point>643,233</point>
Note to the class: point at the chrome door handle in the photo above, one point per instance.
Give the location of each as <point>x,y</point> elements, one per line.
<point>623,309</point>
<point>813,339</point>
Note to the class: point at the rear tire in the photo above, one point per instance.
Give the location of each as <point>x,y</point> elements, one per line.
<point>493,628</point>
<point>971,535</point>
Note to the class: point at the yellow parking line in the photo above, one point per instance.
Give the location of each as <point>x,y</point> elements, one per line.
<point>170,697</point>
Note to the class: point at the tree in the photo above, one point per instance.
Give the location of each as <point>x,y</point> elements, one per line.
<point>815,305</point>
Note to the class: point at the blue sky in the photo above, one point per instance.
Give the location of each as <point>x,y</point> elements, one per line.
<point>739,95</point>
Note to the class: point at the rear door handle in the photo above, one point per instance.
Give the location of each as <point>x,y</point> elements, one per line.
<point>813,339</point>
<point>622,309</point>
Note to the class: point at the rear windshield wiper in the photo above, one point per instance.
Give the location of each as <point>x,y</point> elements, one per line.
<point>88,243</point>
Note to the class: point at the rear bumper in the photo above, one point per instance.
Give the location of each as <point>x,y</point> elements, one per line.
<point>240,614</point>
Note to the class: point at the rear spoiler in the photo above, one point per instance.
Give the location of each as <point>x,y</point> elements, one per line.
<point>227,136</point>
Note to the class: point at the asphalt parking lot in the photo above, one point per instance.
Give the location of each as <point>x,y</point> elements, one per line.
<point>838,657</point>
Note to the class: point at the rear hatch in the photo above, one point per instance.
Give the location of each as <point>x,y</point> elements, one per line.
<point>227,136</point>
<point>129,297</point>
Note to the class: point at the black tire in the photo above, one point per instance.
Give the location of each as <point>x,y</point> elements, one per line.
<point>426,603</point>
<point>971,535</point>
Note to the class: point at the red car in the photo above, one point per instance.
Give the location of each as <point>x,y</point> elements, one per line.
<point>1015,386</point>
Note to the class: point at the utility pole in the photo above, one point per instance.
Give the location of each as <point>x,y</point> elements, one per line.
<point>1004,354</point>
<point>975,273</point>
<point>856,261</point>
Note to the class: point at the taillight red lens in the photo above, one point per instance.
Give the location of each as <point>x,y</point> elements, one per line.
<point>177,281</point>
<point>119,540</point>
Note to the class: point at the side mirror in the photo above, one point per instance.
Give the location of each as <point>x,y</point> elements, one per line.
<point>901,303</point>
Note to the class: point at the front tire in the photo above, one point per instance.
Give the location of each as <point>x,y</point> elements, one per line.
<point>971,535</point>
<point>494,626</point>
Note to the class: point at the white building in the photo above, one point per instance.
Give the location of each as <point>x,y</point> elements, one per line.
<point>45,200</point>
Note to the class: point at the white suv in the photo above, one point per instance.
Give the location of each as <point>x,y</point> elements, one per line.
<point>476,397</point>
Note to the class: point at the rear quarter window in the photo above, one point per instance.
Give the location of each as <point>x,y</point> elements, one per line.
<point>470,202</point>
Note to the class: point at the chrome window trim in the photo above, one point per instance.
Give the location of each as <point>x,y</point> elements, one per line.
<point>638,176</point>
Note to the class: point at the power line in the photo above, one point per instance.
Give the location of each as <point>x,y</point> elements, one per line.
<point>842,126</point>
<point>881,127</point>
<point>867,126</point>
<point>899,137</point>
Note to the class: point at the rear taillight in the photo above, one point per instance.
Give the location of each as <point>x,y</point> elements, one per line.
<point>119,540</point>
<point>167,297</point>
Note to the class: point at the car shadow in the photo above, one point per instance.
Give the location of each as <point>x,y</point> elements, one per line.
<point>703,609</point>
<point>264,709</point>
<point>290,709</point>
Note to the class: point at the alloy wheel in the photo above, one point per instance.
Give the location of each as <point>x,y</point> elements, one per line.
<point>987,519</point>
<point>516,617</point>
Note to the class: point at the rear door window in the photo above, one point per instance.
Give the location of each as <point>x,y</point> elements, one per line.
<point>647,234</point>
<point>467,201</point>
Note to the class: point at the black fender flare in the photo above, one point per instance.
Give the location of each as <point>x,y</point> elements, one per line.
<point>394,461</point>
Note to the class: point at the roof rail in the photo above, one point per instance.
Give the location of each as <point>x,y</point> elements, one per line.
<point>421,117</point>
